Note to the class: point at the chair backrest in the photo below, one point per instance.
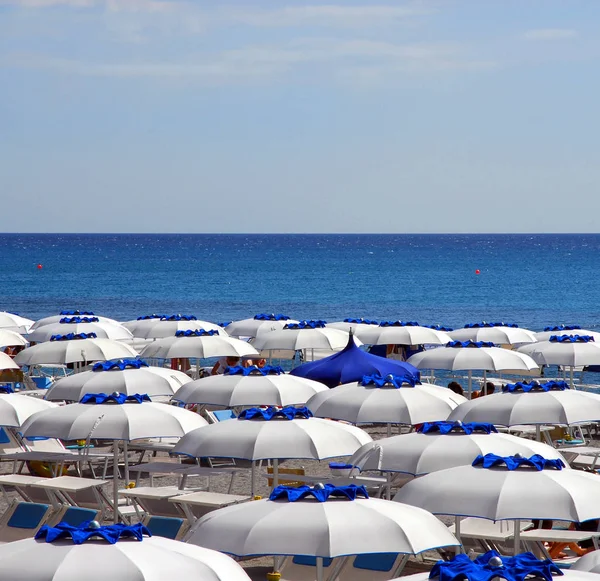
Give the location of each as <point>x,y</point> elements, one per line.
<point>163,526</point>
<point>44,445</point>
<point>286,481</point>
<point>301,568</point>
<point>22,520</point>
<point>75,516</point>
<point>9,444</point>
<point>216,416</point>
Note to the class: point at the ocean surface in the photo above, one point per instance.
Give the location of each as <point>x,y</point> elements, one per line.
<point>531,280</point>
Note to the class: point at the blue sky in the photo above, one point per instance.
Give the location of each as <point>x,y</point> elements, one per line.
<point>288,116</point>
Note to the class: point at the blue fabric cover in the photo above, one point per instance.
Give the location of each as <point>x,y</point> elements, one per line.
<point>439,327</point>
<point>6,388</point>
<point>271,317</point>
<point>253,370</point>
<point>119,364</point>
<point>73,320</point>
<point>4,438</point>
<point>447,427</point>
<point>311,561</point>
<point>153,316</point>
<point>268,413</point>
<point>515,462</point>
<point>223,415</point>
<point>178,318</point>
<point>197,333</point>
<point>73,336</point>
<point>399,324</point>
<point>571,339</point>
<point>306,325</point>
<point>562,328</point>
<point>224,323</point>
<point>361,321</point>
<point>352,364</point>
<point>469,343</point>
<point>76,516</point>
<point>340,466</point>
<point>164,526</point>
<point>28,515</point>
<point>516,568</point>
<point>79,535</point>
<point>293,493</point>
<point>71,313</point>
<point>485,324</point>
<point>387,380</point>
<point>102,398</point>
<point>375,561</point>
<point>525,386</point>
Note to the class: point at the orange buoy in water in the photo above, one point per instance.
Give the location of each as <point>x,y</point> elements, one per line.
<point>40,266</point>
<point>477,271</point>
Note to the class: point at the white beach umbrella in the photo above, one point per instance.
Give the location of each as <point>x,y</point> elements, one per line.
<point>127,560</point>
<point>126,376</point>
<point>394,402</point>
<point>567,575</point>
<point>589,563</point>
<point>259,324</point>
<point>168,326</point>
<point>272,436</point>
<point>496,333</point>
<point>357,326</point>
<point>15,409</point>
<point>499,493</point>
<point>303,335</point>
<point>335,527</point>
<point>16,323</point>
<point>565,330</point>
<point>7,362</point>
<point>198,346</point>
<point>430,450</point>
<point>531,404</point>
<point>469,356</point>
<point>11,339</point>
<point>74,351</point>
<point>115,419</point>
<point>403,334</point>
<point>250,386</point>
<point>102,330</point>
<point>56,318</point>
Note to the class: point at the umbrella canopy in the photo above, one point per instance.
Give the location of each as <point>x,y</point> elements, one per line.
<point>6,362</point>
<point>167,326</point>
<point>126,560</point>
<point>303,335</point>
<point>242,387</point>
<point>15,409</point>
<point>11,339</point>
<point>357,326</point>
<point>335,527</point>
<point>565,329</point>
<point>501,493</point>
<point>433,448</point>
<point>589,563</point>
<point>110,420</point>
<point>531,404</point>
<point>198,346</point>
<point>572,352</point>
<point>16,323</point>
<point>500,333</point>
<point>385,400</point>
<point>102,329</point>
<point>75,313</point>
<point>125,376</point>
<point>352,364</point>
<point>275,438</point>
<point>259,324</point>
<point>399,333</point>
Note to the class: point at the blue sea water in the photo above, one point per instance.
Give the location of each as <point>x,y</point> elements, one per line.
<point>532,280</point>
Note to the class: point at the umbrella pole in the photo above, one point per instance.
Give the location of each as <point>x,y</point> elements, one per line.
<point>115,481</point>
<point>275,473</point>
<point>459,548</point>
<point>571,378</point>
<point>126,463</point>
<point>252,477</point>
<point>388,487</point>
<point>319,568</point>
<point>389,430</point>
<point>470,383</point>
<point>538,433</point>
<point>517,536</point>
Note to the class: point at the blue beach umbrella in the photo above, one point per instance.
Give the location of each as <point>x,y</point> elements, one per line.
<point>352,364</point>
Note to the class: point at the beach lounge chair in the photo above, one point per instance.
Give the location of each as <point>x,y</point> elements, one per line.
<point>374,567</point>
<point>154,501</point>
<point>481,535</point>
<point>287,481</point>
<point>22,520</point>
<point>301,568</point>
<point>164,526</point>
<point>214,417</point>
<point>73,515</point>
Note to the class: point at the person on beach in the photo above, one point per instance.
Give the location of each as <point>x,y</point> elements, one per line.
<point>456,387</point>
<point>487,389</point>
<point>222,364</point>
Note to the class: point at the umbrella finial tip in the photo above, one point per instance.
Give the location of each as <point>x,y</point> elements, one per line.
<point>319,486</point>
<point>115,394</point>
<point>495,562</point>
<point>94,524</point>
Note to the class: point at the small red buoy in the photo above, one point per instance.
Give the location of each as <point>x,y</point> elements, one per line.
<point>477,271</point>
<point>40,266</point>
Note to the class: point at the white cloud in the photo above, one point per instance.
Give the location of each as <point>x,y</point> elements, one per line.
<point>550,34</point>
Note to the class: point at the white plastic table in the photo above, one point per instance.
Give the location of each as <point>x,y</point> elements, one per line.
<point>206,502</point>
